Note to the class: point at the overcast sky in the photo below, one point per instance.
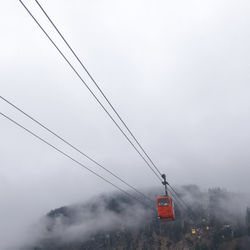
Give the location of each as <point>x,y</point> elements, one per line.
<point>177,72</point>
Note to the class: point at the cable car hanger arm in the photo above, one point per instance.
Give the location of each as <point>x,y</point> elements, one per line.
<point>165,183</point>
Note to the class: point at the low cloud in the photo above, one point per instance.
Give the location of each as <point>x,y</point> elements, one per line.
<point>114,212</point>
<point>82,221</point>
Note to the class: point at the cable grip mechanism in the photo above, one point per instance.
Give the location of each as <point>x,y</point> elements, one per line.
<point>165,183</point>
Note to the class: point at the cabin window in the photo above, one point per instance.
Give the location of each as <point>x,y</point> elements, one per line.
<point>164,202</point>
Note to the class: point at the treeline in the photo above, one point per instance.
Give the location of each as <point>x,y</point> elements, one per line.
<point>213,222</point>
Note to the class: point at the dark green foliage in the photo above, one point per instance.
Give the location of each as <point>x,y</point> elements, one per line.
<point>153,234</point>
<point>248,220</point>
<point>201,247</point>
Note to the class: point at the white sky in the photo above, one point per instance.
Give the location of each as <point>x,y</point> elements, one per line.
<point>177,72</point>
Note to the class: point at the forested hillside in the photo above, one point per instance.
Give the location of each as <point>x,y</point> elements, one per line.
<point>215,219</point>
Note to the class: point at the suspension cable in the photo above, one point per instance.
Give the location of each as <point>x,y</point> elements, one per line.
<point>75,148</point>
<point>74,160</point>
<point>98,87</point>
<point>176,200</point>
<point>102,93</point>
<point>188,208</point>
<point>179,197</point>
<point>95,97</point>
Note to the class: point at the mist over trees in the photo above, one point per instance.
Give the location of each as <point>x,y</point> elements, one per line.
<point>213,219</point>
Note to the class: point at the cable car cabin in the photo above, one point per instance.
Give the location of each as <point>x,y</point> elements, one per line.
<point>165,207</point>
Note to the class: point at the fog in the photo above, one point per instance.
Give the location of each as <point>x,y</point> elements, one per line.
<point>115,212</point>
<point>177,72</point>
<point>81,222</point>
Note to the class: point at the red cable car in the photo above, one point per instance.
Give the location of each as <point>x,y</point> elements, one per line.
<point>165,205</point>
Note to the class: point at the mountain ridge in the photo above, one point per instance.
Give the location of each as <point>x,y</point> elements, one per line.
<point>118,222</point>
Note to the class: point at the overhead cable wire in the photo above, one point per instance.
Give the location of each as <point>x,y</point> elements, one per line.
<point>181,206</point>
<point>74,160</point>
<point>101,91</point>
<point>176,200</point>
<point>98,87</point>
<point>105,97</point>
<point>74,147</point>
<point>178,195</point>
<point>186,206</point>
<point>93,94</point>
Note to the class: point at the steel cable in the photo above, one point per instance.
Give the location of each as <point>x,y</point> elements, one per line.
<point>98,87</point>
<point>72,146</point>
<point>95,97</point>
<point>74,160</point>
